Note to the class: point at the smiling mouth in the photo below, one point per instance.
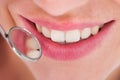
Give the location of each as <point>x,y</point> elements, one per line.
<point>69,44</point>
<point>70,36</point>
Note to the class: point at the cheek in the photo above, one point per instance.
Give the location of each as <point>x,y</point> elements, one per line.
<point>2,2</point>
<point>117,36</point>
<point>118,1</point>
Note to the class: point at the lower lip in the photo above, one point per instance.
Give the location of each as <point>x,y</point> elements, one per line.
<point>71,51</point>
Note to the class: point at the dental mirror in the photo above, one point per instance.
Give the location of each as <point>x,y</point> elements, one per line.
<point>23,43</point>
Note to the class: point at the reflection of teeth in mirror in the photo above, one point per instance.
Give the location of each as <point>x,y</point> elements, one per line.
<point>31,44</point>
<point>33,54</point>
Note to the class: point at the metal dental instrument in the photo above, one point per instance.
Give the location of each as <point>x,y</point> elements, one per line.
<point>23,43</point>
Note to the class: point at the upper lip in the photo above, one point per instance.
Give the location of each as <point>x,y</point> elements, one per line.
<point>65,26</point>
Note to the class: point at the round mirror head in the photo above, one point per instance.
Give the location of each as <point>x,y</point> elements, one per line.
<point>24,43</point>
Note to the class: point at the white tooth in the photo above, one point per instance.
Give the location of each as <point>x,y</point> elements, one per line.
<point>46,32</point>
<point>31,44</point>
<point>57,36</point>
<point>85,33</point>
<point>33,54</point>
<point>95,30</point>
<point>38,27</point>
<point>73,36</point>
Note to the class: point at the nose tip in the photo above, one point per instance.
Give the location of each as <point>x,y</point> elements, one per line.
<point>59,7</point>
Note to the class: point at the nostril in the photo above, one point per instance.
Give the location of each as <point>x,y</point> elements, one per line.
<point>59,7</point>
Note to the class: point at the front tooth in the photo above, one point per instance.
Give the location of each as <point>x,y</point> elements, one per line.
<point>46,32</point>
<point>33,54</point>
<point>95,30</point>
<point>38,27</point>
<point>72,36</point>
<point>85,33</point>
<point>57,36</point>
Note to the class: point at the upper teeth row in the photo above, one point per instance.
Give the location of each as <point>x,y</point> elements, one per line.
<point>68,36</point>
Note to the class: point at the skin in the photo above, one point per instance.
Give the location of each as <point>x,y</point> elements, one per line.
<point>96,66</point>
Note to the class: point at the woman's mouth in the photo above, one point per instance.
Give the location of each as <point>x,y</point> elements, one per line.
<point>71,36</point>
<point>68,44</point>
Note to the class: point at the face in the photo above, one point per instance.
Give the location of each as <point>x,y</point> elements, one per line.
<point>79,38</point>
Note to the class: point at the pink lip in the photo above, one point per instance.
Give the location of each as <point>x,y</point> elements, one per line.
<point>68,51</point>
<point>65,26</point>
